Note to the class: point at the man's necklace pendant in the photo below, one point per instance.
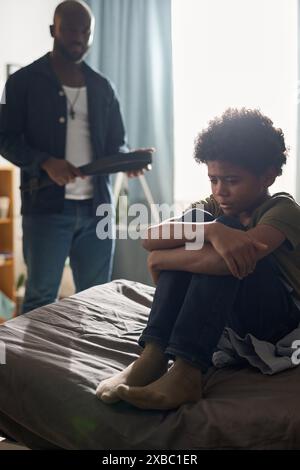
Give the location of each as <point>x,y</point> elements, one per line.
<point>72,113</point>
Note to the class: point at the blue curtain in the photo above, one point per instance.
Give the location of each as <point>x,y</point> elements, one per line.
<point>298,114</point>
<point>133,48</point>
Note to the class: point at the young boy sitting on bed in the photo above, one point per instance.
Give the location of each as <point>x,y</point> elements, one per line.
<point>246,275</point>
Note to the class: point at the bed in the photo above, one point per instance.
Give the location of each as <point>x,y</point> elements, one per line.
<point>57,355</point>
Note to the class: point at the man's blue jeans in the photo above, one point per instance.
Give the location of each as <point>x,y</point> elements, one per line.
<point>190,311</point>
<point>49,239</point>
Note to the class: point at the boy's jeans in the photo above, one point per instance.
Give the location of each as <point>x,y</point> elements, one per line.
<point>49,239</point>
<point>190,311</point>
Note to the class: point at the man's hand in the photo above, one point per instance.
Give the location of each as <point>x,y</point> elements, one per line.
<point>134,174</point>
<point>60,171</point>
<point>151,267</point>
<point>237,248</point>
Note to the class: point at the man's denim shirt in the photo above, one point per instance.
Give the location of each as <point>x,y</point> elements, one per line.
<point>33,124</point>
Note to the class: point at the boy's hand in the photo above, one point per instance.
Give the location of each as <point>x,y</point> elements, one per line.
<point>237,248</point>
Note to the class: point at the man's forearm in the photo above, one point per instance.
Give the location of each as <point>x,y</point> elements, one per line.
<point>13,145</point>
<point>14,149</point>
<point>205,261</point>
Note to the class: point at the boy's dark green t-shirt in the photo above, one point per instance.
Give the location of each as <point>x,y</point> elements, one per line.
<point>282,212</point>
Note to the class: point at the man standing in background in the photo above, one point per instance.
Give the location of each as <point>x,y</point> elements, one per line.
<point>60,114</point>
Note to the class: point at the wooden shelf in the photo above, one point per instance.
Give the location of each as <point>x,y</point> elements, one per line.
<point>7,264</point>
<point>5,221</point>
<point>7,275</point>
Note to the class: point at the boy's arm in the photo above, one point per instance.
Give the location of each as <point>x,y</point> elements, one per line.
<point>271,236</point>
<point>205,261</point>
<point>208,260</point>
<point>172,233</point>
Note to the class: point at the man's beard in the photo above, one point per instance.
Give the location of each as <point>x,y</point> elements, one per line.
<point>75,57</point>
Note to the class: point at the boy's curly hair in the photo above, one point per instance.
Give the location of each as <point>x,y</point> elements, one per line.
<point>243,137</point>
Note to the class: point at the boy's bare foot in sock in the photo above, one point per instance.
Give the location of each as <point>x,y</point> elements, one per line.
<point>151,365</point>
<point>181,384</point>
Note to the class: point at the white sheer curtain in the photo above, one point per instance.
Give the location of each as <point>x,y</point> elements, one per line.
<point>232,53</point>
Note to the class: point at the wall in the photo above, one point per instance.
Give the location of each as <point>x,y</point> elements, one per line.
<point>24,31</point>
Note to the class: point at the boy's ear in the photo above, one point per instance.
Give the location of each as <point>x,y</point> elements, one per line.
<point>270,176</point>
<point>51,27</point>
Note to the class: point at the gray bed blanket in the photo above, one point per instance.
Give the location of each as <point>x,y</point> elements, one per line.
<point>57,355</point>
<point>267,357</point>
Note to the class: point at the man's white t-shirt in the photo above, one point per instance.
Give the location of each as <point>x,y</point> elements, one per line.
<point>78,142</point>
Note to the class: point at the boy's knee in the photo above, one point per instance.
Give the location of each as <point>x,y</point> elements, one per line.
<point>230,221</point>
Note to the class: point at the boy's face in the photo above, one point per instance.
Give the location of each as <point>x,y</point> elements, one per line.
<point>236,189</point>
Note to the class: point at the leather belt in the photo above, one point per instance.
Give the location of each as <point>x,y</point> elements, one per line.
<point>131,161</point>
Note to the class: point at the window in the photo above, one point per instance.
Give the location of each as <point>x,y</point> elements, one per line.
<point>232,53</point>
